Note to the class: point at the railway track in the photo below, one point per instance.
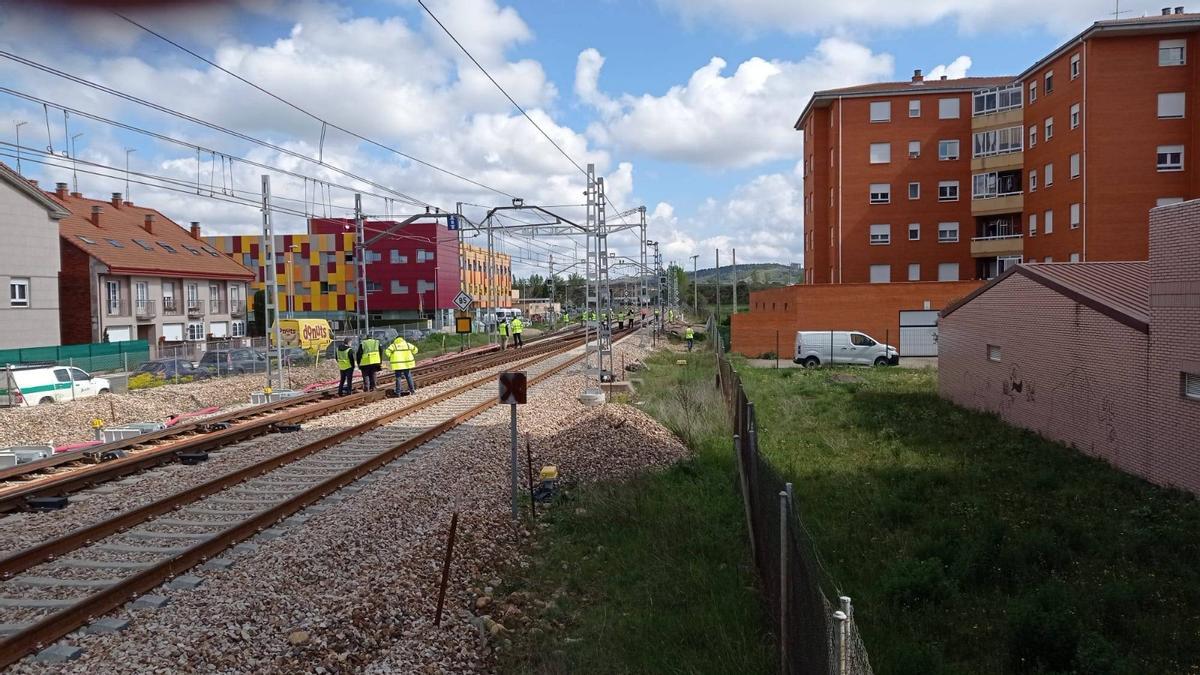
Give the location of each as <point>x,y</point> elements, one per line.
<point>66,473</point>
<point>60,585</point>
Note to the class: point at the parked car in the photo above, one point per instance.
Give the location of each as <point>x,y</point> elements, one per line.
<point>413,334</point>
<point>814,348</point>
<point>292,356</point>
<point>233,361</point>
<point>169,369</point>
<point>47,383</point>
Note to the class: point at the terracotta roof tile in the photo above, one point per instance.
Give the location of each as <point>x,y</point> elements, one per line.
<point>961,84</point>
<point>169,250</point>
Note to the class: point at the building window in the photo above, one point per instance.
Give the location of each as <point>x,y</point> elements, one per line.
<point>1048,175</point>
<point>914,190</point>
<point>1074,257</point>
<point>947,271</point>
<point>1075,116</point>
<point>1048,259</point>
<point>1172,52</point>
<point>1033,224</point>
<point>881,193</point>
<point>1033,91</point>
<point>948,191</point>
<point>996,141</point>
<point>914,271</point>
<point>881,111</point>
<point>1050,82</point>
<point>1164,201</point>
<point>1033,134</point>
<point>1048,222</point>
<point>947,108</point>
<point>1171,105</point>
<point>237,329</point>
<point>1170,158</point>
<point>881,153</point>
<point>1075,214</point>
<point>1049,128</point>
<point>881,235</point>
<point>195,331</point>
<point>1074,66</point>
<point>397,289</point>
<point>881,274</point>
<point>914,108</point>
<point>18,292</point>
<point>113,293</point>
<point>1033,181</point>
<point>914,149</point>
<point>993,353</point>
<point>947,233</point>
<point>914,231</point>
<point>1191,386</point>
<point>1075,165</point>
<point>999,99</point>
<point>996,184</point>
<point>948,150</point>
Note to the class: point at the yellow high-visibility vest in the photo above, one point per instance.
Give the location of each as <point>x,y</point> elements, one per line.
<point>517,326</point>
<point>402,354</point>
<point>370,357</point>
<point>343,359</point>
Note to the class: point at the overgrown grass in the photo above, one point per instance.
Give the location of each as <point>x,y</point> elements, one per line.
<point>970,546</point>
<point>654,572</point>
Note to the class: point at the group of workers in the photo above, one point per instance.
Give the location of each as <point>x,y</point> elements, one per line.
<point>400,354</point>
<point>513,326</point>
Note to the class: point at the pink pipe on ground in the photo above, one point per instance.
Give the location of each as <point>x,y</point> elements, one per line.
<point>76,446</point>
<point>176,419</point>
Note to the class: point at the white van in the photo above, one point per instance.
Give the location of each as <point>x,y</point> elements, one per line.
<point>35,384</point>
<point>825,347</point>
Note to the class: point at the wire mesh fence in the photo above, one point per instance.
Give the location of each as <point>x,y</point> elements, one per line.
<point>815,635</point>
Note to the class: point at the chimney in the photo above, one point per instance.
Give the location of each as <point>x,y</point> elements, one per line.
<point>917,76</point>
<point>1179,10</point>
<point>77,195</point>
<point>33,182</point>
<point>945,78</point>
<point>1166,11</point>
<point>116,199</point>
<point>149,223</point>
<point>96,209</point>
<point>60,190</point>
<point>196,230</point>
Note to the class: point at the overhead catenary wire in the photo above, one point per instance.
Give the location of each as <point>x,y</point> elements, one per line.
<point>324,123</point>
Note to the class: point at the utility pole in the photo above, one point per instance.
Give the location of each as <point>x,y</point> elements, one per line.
<point>127,153</point>
<point>272,279</point>
<point>718,285</point>
<point>18,126</point>
<point>735,305</point>
<point>360,249</point>
<point>75,163</point>
<point>644,290</point>
<point>695,288</point>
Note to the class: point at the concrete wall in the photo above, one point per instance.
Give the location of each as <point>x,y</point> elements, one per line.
<point>1065,371</point>
<point>28,250</point>
<point>871,308</point>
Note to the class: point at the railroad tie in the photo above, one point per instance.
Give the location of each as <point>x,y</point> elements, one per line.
<point>101,564</point>
<point>39,603</point>
<point>128,548</point>
<point>65,583</point>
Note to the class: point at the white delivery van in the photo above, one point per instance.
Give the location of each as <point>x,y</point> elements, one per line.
<point>837,347</point>
<point>34,384</point>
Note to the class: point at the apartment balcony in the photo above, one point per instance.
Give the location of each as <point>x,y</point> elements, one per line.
<point>237,309</point>
<point>195,309</point>
<point>1002,245</point>
<point>1001,162</point>
<point>144,310</point>
<point>1003,203</point>
<point>170,306</point>
<point>116,307</point>
<point>1006,118</point>
<point>216,307</point>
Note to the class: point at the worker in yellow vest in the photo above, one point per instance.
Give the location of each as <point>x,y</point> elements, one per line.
<point>345,362</point>
<point>517,327</point>
<point>690,336</point>
<point>402,355</point>
<point>368,361</point>
<point>502,329</point>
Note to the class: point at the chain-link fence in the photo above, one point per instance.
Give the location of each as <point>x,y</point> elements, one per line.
<point>815,635</point>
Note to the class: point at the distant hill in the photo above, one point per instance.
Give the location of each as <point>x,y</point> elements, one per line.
<point>757,273</point>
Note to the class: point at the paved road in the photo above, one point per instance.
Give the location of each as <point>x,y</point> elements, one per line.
<point>911,362</point>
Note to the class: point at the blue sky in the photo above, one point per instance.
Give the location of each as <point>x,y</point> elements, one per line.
<point>706,146</point>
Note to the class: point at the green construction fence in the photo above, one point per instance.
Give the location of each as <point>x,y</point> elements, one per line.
<point>97,357</point>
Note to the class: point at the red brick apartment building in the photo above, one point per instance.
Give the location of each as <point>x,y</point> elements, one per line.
<point>1098,355</point>
<point>944,180</point>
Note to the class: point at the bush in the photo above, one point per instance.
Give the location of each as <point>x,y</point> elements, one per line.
<point>150,381</point>
<point>914,583</point>
<point>1043,631</point>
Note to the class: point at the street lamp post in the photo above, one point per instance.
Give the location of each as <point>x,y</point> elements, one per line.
<point>74,163</point>
<point>128,151</point>
<point>18,125</point>
<point>291,289</point>
<point>695,287</point>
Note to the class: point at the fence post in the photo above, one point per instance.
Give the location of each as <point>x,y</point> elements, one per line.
<point>783,581</point>
<point>843,633</point>
<point>776,350</point>
<point>744,484</point>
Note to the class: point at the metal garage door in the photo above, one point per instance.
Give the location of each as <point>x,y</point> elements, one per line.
<point>918,333</point>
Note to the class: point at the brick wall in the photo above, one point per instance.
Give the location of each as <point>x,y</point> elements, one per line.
<point>871,308</point>
<point>75,296</point>
<point>1174,325</point>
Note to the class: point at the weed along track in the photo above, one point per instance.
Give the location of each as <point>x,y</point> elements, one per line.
<point>59,585</point>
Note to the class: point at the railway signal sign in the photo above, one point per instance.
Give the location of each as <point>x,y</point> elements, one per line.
<point>452,223</point>
<point>512,388</point>
<point>463,301</point>
<point>462,325</point>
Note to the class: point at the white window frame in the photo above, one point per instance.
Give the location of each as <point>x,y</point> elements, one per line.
<point>914,149</point>
<point>1074,257</point>
<point>997,99</point>
<point>1033,224</point>
<point>880,196</point>
<point>944,113</point>
<point>1048,222</point>
<point>110,297</point>
<point>1169,164</point>
<point>1174,111</point>
<point>944,230</point>
<point>944,191</point>
<point>914,194</point>
<point>1033,136</point>
<point>914,228</point>
<point>880,111</point>
<point>18,292</point>
<point>1074,165</point>
<point>993,353</point>
<point>1075,66</point>
<point>946,266</point>
<point>876,268</point>
<point>1074,117</point>
<point>949,143</point>
<point>1076,215</point>
<point>1189,385</point>
<point>1033,180</point>
<point>1048,175</point>
<point>1033,91</point>
<point>194,331</point>
<point>1049,126</point>
<point>879,153</point>
<point>237,329</point>
<point>881,234</point>
<point>914,271</point>
<point>997,141</point>
<point>914,107</point>
<point>1048,78</point>
<point>1167,50</point>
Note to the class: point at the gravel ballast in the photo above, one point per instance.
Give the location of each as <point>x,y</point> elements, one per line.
<point>353,588</point>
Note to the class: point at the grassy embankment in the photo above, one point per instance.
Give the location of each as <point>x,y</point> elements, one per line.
<point>970,546</point>
<point>655,572</point>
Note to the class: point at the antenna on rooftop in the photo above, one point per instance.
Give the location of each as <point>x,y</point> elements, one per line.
<point>1117,12</point>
